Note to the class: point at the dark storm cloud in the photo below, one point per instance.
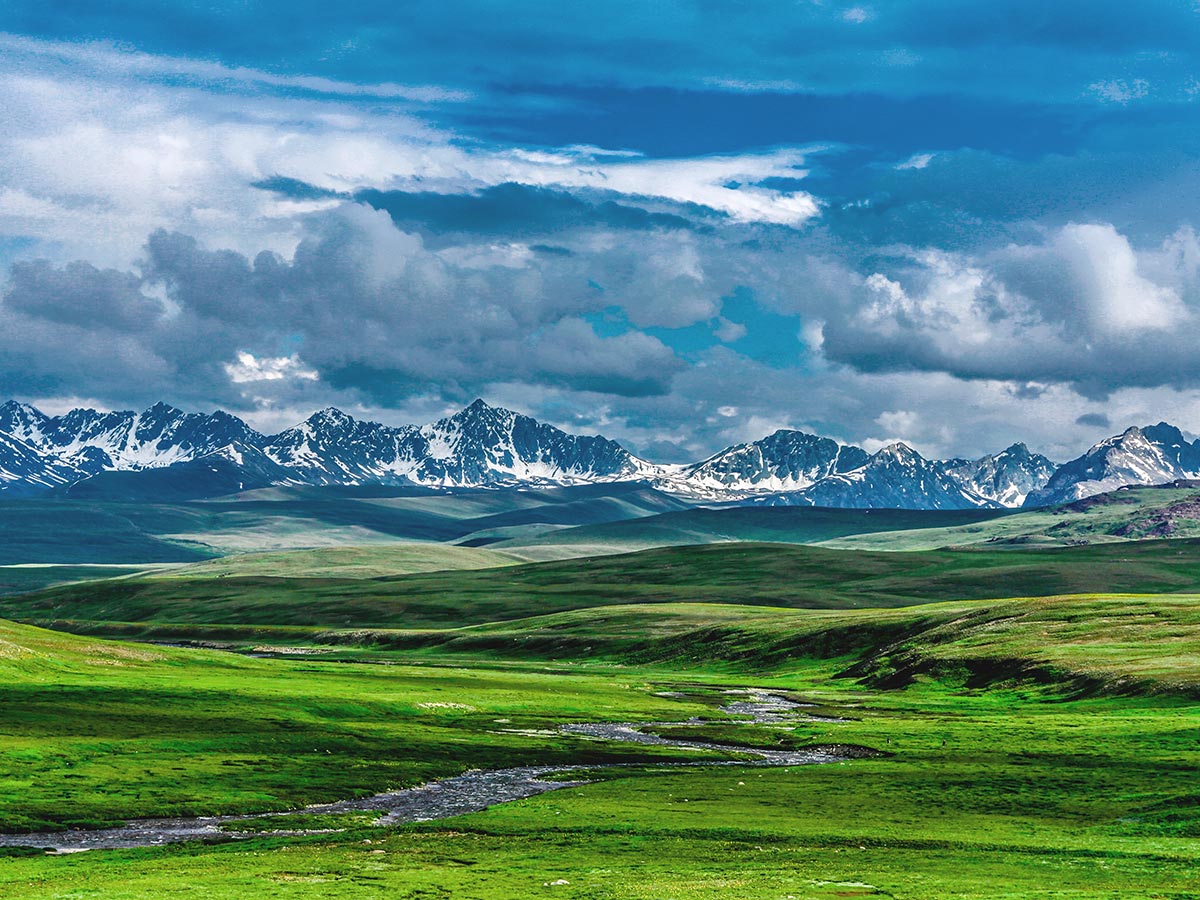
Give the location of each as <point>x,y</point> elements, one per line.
<point>363,305</point>
<point>79,294</point>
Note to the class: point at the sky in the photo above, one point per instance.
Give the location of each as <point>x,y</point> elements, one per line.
<point>682,224</point>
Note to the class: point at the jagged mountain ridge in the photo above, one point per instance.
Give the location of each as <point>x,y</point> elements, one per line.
<point>783,461</point>
<point>23,470</point>
<point>479,446</point>
<point>159,436</point>
<point>81,451</point>
<point>896,477</point>
<point>1007,477</point>
<point>1155,454</point>
<point>228,470</point>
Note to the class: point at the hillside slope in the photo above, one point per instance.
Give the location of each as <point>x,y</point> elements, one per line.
<point>750,574</point>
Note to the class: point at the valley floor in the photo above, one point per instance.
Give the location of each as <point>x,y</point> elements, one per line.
<point>1004,790</point>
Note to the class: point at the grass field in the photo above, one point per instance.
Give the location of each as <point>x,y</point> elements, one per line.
<point>1011,791</point>
<point>274,519</point>
<point>1037,711</point>
<point>371,561</point>
<point>1128,514</point>
<point>95,731</point>
<point>781,524</point>
<point>1086,645</point>
<point>746,574</point>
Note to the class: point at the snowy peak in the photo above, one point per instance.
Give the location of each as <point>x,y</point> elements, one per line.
<point>1007,477</point>
<point>784,461</point>
<point>329,419</point>
<point>899,454</point>
<point>1154,454</point>
<point>158,436</point>
<point>331,447</point>
<point>23,470</point>
<point>488,445</point>
<point>895,477</point>
<point>22,421</point>
<point>480,445</point>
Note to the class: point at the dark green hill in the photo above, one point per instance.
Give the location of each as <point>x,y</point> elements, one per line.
<point>753,574</point>
<point>1131,513</point>
<point>783,524</point>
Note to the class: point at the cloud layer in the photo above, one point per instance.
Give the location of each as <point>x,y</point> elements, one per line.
<point>675,224</point>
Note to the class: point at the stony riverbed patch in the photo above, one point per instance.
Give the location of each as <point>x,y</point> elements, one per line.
<point>466,793</point>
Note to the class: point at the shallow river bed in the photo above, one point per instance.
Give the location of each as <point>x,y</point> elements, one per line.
<point>470,792</point>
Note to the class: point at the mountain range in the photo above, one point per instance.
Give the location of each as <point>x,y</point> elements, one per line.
<point>164,453</point>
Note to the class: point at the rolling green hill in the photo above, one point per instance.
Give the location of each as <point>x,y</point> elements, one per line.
<point>783,524</point>
<point>370,561</point>
<point>1123,643</point>
<point>72,533</point>
<point>750,574</point>
<point>1134,513</point>
<point>1128,514</point>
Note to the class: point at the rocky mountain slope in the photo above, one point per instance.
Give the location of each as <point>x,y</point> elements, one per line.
<point>1156,454</point>
<point>85,453</point>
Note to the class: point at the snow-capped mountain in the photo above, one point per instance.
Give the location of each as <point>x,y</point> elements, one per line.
<point>783,461</point>
<point>483,445</point>
<point>480,446</point>
<point>23,470</point>
<point>22,421</point>
<point>897,477</point>
<point>227,470</point>
<point>1156,454</point>
<point>1007,477</point>
<point>164,452</point>
<point>159,436</point>
<point>331,447</point>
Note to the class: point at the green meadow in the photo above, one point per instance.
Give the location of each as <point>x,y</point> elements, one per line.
<point>1033,710</point>
<point>1031,748</point>
<point>745,574</point>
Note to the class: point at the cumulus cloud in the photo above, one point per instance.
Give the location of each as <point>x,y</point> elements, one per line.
<point>1082,307</point>
<point>369,308</point>
<point>249,368</point>
<point>326,238</point>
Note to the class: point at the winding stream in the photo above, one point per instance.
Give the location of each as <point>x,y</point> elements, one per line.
<point>470,792</point>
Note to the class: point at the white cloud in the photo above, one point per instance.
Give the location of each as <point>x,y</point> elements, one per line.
<point>103,146</point>
<point>1119,297</point>
<point>249,368</point>
<point>1121,91</point>
<point>107,59</point>
<point>916,161</point>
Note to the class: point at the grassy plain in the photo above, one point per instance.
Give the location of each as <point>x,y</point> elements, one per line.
<point>1132,513</point>
<point>779,524</point>
<point>95,731</point>
<point>1033,748</point>
<point>272,519</point>
<point>370,561</point>
<point>744,574</point>
<point>1013,791</point>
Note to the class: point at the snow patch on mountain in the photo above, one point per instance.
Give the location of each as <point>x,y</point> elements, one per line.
<point>486,446</point>
<point>1155,454</point>
<point>784,461</point>
<point>896,477</point>
<point>1007,477</point>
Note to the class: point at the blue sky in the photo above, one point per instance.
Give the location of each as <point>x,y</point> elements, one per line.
<point>682,224</point>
